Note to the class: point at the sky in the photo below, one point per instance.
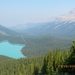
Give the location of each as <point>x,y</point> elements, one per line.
<point>14,12</point>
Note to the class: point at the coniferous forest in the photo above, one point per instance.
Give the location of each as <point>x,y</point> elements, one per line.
<point>37,37</point>
<point>56,61</point>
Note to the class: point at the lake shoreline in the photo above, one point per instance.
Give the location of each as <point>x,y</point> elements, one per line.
<point>11,50</point>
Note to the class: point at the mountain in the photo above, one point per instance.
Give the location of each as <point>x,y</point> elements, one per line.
<point>6,32</point>
<point>62,25</point>
<point>56,28</point>
<point>21,27</point>
<point>67,17</point>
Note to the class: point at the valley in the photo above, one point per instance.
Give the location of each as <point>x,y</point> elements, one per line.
<point>43,47</point>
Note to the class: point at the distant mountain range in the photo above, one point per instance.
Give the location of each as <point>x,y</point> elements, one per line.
<point>62,25</point>
<point>6,32</point>
<point>56,28</point>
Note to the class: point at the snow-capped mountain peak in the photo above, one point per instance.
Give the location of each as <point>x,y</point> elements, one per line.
<point>67,17</point>
<point>72,11</point>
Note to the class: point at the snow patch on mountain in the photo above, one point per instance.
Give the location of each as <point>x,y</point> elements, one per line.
<point>57,26</point>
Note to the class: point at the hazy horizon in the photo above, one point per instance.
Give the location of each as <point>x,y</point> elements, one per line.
<point>14,12</point>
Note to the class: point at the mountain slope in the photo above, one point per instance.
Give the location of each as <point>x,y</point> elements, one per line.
<point>65,28</point>
<point>6,32</point>
<point>21,27</point>
<point>62,25</point>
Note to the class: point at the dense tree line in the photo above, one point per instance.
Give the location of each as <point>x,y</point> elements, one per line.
<point>49,64</point>
<point>35,46</point>
<point>60,63</point>
<point>46,65</point>
<point>22,66</point>
<point>53,60</point>
<point>38,45</point>
<point>69,64</point>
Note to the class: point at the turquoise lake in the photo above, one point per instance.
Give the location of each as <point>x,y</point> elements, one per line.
<point>11,50</point>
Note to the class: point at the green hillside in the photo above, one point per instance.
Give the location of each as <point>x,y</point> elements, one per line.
<point>49,64</point>
<point>40,45</point>
<point>4,58</point>
<point>45,55</point>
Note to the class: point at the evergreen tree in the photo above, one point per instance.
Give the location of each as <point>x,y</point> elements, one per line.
<point>44,68</point>
<point>69,64</point>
